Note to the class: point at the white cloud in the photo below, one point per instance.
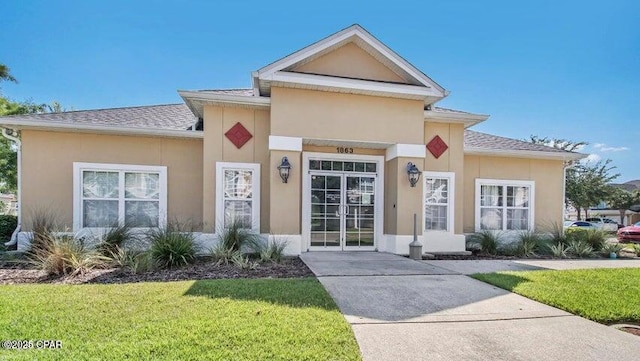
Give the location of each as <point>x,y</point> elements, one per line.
<point>603,148</point>
<point>592,158</point>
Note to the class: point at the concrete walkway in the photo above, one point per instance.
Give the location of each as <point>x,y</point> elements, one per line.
<point>412,310</point>
<point>468,267</point>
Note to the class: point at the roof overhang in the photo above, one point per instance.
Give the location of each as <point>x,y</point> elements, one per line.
<point>84,128</point>
<point>467,119</point>
<point>350,86</point>
<point>195,100</point>
<point>564,156</point>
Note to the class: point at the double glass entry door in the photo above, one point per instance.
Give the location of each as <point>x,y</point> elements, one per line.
<point>342,211</point>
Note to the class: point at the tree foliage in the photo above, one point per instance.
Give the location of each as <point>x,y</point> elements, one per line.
<point>622,200</point>
<point>587,184</point>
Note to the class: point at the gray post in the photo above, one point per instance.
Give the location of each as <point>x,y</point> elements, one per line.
<point>415,247</point>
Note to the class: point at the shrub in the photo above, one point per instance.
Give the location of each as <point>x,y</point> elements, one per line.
<point>114,239</point>
<point>223,255</point>
<point>580,248</point>
<point>532,244</point>
<point>64,255</point>
<point>559,250</point>
<point>273,252</point>
<point>170,247</point>
<point>558,235</point>
<point>609,248</point>
<point>596,238</point>
<point>133,260</point>
<point>636,249</point>
<point>243,262</point>
<point>239,236</point>
<point>487,241</point>
<point>8,224</point>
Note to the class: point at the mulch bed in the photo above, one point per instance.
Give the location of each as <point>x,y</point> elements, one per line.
<point>203,268</point>
<point>631,330</point>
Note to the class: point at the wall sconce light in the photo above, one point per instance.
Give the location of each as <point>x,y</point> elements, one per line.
<point>414,174</point>
<point>284,169</point>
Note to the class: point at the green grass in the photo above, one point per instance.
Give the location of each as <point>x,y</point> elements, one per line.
<point>602,295</point>
<point>193,320</point>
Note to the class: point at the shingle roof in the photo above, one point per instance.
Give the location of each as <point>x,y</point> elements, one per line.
<point>477,140</point>
<point>179,117</point>
<point>166,116</point>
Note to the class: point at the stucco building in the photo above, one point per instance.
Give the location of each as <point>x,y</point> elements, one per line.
<point>348,115</point>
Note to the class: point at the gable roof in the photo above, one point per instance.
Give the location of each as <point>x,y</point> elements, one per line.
<point>353,34</point>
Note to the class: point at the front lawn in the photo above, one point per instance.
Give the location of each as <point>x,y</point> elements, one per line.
<point>264,319</point>
<point>602,295</point>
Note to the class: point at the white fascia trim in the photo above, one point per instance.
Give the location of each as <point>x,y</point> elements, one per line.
<point>343,35</point>
<point>83,128</point>
<point>285,77</point>
<point>203,96</point>
<point>277,142</point>
<point>467,119</point>
<point>406,150</point>
<point>524,154</point>
<point>255,198</point>
<point>79,167</point>
<point>451,178</point>
<point>505,182</point>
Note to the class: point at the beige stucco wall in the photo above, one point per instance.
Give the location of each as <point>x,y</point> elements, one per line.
<point>401,200</point>
<point>47,169</point>
<point>350,61</point>
<point>452,160</point>
<point>325,115</point>
<point>217,148</point>
<point>547,175</point>
<point>285,209</point>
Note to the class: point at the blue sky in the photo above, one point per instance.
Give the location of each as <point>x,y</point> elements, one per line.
<point>568,69</point>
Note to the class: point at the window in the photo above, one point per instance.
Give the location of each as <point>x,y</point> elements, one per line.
<point>504,205</point>
<point>438,201</point>
<point>237,194</point>
<point>109,194</point>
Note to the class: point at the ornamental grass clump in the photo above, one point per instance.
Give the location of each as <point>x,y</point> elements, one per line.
<point>239,236</point>
<point>559,250</point>
<point>609,248</point>
<point>114,239</point>
<point>580,249</point>
<point>274,251</point>
<point>487,241</point>
<point>171,247</point>
<point>63,255</point>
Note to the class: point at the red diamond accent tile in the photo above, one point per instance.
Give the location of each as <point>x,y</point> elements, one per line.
<point>238,135</point>
<point>437,146</point>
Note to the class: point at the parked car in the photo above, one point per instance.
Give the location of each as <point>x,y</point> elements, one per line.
<point>630,233</point>
<point>579,224</point>
<point>605,224</point>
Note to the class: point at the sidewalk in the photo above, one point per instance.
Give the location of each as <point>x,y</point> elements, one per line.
<point>401,309</point>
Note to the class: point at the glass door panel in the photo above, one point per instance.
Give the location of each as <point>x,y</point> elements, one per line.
<point>359,214</point>
<point>326,218</point>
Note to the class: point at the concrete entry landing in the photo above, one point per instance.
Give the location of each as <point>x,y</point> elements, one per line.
<point>324,264</point>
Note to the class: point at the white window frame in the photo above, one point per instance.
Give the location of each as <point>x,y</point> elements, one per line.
<point>503,182</point>
<point>79,167</point>
<point>255,204</point>
<point>451,178</point>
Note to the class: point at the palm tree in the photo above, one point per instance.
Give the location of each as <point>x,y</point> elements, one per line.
<point>5,74</point>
